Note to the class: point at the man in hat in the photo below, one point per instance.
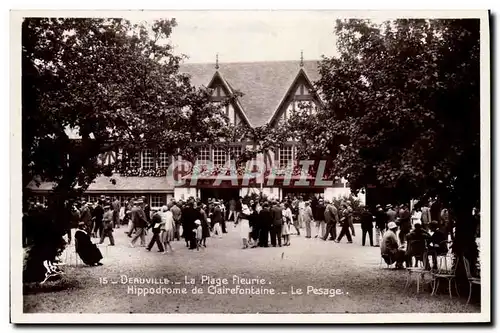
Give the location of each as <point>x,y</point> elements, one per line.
<point>107,226</point>
<point>98,213</point>
<point>189,216</point>
<point>156,224</point>
<point>380,224</point>
<point>391,214</point>
<point>277,218</point>
<point>139,223</point>
<point>416,243</point>
<point>146,208</point>
<point>116,212</point>
<point>319,217</point>
<point>344,220</point>
<point>404,222</point>
<point>438,244</point>
<point>331,218</point>
<point>176,214</point>
<point>216,219</point>
<point>389,249</point>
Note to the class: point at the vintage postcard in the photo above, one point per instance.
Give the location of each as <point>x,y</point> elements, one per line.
<point>250,166</point>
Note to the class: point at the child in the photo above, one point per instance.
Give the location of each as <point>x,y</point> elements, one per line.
<point>199,234</point>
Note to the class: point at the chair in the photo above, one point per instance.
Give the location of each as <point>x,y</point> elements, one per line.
<point>445,275</point>
<point>472,279</point>
<point>417,249</point>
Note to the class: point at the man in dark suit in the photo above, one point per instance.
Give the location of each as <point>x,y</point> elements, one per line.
<point>266,221</point>
<point>331,218</point>
<point>277,218</point>
<point>189,215</point>
<point>139,222</point>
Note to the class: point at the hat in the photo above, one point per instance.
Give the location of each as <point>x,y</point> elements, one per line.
<point>197,222</point>
<point>81,223</point>
<point>392,225</point>
<point>388,206</point>
<point>418,222</point>
<point>107,206</point>
<point>378,206</point>
<point>164,208</point>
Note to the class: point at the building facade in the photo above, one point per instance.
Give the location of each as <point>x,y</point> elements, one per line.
<point>270,93</point>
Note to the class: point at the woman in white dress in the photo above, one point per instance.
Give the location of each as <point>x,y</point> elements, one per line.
<point>243,221</point>
<point>287,221</point>
<point>167,228</point>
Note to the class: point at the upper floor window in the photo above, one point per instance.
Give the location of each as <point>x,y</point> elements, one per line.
<point>147,159</point>
<point>204,155</point>
<point>163,159</point>
<point>133,160</point>
<point>234,153</point>
<point>219,156</point>
<point>285,156</point>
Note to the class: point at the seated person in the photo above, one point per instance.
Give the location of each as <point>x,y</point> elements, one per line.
<point>88,251</point>
<point>416,243</point>
<point>390,249</point>
<point>437,243</point>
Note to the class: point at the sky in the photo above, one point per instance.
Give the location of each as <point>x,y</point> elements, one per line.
<point>252,35</point>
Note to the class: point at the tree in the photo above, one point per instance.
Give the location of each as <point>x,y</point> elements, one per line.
<point>401,111</point>
<point>118,85</point>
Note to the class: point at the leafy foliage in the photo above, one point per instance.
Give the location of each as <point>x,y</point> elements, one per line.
<point>401,111</point>
<point>116,84</point>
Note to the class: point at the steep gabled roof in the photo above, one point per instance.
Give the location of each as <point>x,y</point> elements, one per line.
<point>263,84</point>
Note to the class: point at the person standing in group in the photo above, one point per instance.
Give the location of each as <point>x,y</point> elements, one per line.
<point>426,216</point>
<point>98,213</point>
<point>416,216</point>
<point>254,223</point>
<point>176,215</point>
<point>189,216</point>
<point>301,208</point>
<point>277,217</point>
<point>232,210</point>
<point>139,222</point>
<point>146,208</point>
<point>308,218</point>
<point>116,213</point>
<point>86,216</point>
<point>217,218</point>
<point>319,217</point>
<point>107,226</point>
<point>222,208</point>
<point>380,224</point>
<point>366,225</point>
<point>404,222</point>
<point>167,228</point>
<point>266,222</point>
<point>391,214</point>
<point>156,225</point>
<point>390,250</point>
<point>287,222</point>
<point>243,221</point>
<point>350,219</point>
<point>344,220</point>
<point>204,225</point>
<point>331,218</point>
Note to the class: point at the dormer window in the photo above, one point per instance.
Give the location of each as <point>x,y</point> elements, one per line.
<point>218,94</point>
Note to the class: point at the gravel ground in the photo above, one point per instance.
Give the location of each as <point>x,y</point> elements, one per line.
<point>363,286</point>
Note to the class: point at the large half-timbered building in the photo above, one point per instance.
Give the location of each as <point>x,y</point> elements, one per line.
<point>270,92</point>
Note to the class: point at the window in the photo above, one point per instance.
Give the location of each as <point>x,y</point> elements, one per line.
<point>147,159</point>
<point>133,160</point>
<point>158,200</point>
<point>204,155</point>
<point>219,156</point>
<point>285,156</point>
<point>163,160</point>
<point>234,153</point>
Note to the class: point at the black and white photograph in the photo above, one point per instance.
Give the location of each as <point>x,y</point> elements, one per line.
<point>252,166</point>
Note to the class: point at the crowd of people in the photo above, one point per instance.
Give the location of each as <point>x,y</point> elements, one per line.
<point>262,222</point>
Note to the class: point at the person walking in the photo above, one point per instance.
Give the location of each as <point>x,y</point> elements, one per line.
<point>156,225</point>
<point>287,222</point>
<point>107,226</point>
<point>98,213</point>
<point>116,213</point>
<point>243,221</point>
<point>139,222</point>
<point>344,220</point>
<point>167,228</point>
<point>176,215</point>
<point>331,218</point>
<point>319,217</point>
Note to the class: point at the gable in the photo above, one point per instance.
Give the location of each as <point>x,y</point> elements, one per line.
<point>221,90</point>
<point>300,94</point>
<point>263,84</point>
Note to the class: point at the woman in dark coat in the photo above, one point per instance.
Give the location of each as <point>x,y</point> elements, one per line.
<point>88,251</point>
<point>205,229</point>
<point>254,224</point>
